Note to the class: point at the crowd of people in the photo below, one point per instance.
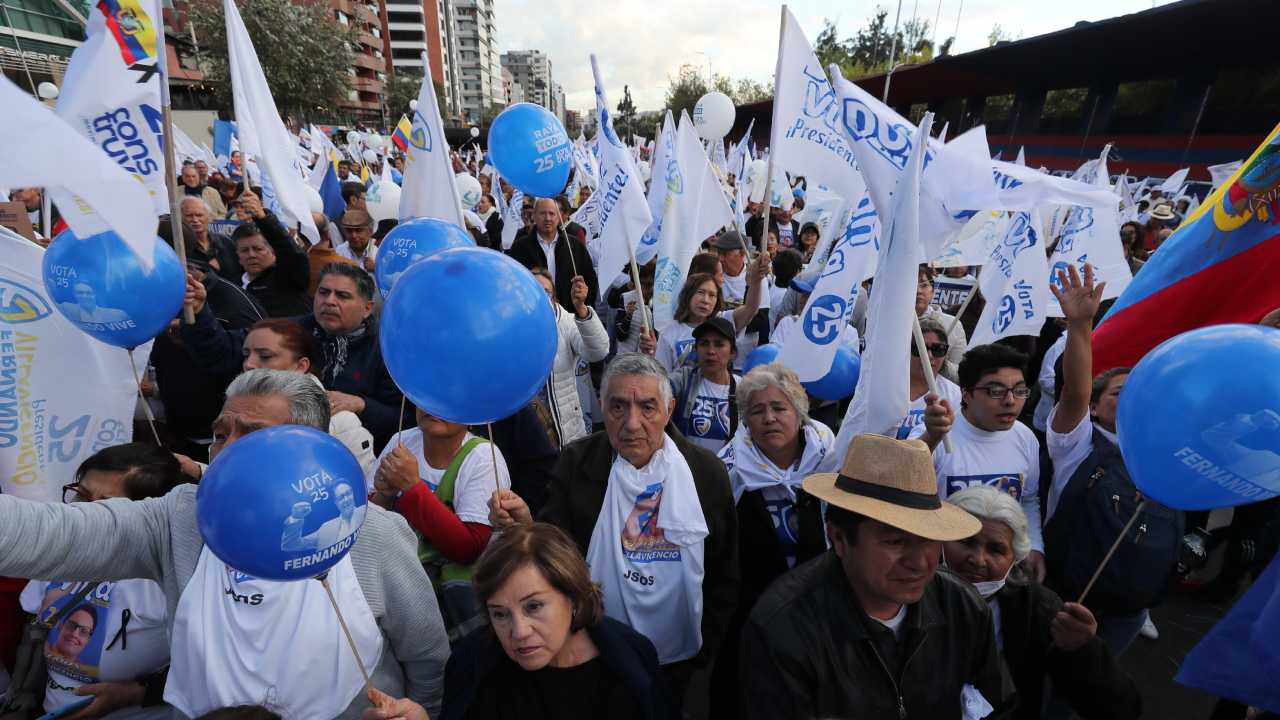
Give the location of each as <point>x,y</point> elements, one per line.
<point>659,511</point>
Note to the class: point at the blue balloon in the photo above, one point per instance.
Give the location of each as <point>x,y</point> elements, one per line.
<point>469,335</point>
<point>1199,418</point>
<point>762,355</point>
<point>531,149</point>
<point>409,242</point>
<point>99,284</point>
<point>840,380</point>
<point>282,503</point>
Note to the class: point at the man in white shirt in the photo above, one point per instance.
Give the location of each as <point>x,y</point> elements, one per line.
<point>357,228</point>
<point>989,445</point>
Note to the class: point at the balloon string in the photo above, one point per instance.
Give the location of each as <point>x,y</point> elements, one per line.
<point>493,455</point>
<point>146,406</point>
<point>368,685</point>
<point>1114,546</point>
<point>400,423</point>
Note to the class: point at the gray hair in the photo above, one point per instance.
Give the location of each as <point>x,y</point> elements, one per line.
<point>195,199</point>
<point>774,375</point>
<point>636,364</point>
<point>308,403</point>
<point>933,326</point>
<point>987,503</point>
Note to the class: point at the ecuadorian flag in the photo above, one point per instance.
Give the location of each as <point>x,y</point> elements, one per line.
<point>401,136</point>
<point>133,29</point>
<point>1214,269</point>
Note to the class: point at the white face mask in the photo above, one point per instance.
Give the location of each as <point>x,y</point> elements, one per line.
<point>987,588</point>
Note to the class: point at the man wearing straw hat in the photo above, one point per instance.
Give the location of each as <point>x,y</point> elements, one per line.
<point>872,629</point>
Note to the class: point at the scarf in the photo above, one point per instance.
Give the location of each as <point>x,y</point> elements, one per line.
<point>333,350</point>
<point>749,468</point>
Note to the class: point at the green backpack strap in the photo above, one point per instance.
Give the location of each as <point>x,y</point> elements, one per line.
<point>444,490</point>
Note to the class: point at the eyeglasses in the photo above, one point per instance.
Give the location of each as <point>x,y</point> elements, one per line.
<point>74,492</point>
<point>996,391</point>
<point>937,350</point>
<point>74,628</point>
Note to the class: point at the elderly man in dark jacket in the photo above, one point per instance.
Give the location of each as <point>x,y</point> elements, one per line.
<point>639,440</point>
<point>548,246</point>
<point>871,629</point>
<point>346,339</point>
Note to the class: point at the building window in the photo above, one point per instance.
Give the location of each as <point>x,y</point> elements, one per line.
<point>997,113</point>
<point>1242,100</point>
<point>1064,111</point>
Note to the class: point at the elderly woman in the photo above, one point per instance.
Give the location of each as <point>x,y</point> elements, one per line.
<point>779,525</point>
<point>548,650</point>
<point>581,337</point>
<point>1038,634</point>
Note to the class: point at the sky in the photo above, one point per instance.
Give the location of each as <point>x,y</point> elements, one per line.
<point>643,43</point>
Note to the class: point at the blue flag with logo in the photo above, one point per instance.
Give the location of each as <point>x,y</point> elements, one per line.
<point>1239,658</point>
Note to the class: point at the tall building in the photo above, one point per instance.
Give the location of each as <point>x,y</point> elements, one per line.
<point>368,61</point>
<point>478,62</point>
<point>557,101</point>
<point>415,27</point>
<point>37,38</point>
<point>531,69</point>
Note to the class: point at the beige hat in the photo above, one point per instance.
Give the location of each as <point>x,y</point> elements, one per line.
<point>1163,212</point>
<point>893,481</point>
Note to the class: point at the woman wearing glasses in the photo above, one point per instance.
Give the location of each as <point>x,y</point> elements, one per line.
<point>108,640</point>
<point>935,342</point>
<point>989,445</point>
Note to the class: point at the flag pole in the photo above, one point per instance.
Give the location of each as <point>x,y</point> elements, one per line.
<point>929,379</point>
<point>773,133</point>
<point>635,278</point>
<point>170,177</point>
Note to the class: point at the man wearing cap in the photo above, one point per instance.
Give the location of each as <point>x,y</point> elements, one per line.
<point>706,408</point>
<point>357,228</point>
<point>872,628</point>
<point>731,249</point>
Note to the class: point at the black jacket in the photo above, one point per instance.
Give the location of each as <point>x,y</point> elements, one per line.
<point>577,494</point>
<point>808,651</point>
<point>282,289</point>
<point>222,250</point>
<point>1089,678</point>
<point>363,373</point>
<point>628,654</point>
<point>528,253</point>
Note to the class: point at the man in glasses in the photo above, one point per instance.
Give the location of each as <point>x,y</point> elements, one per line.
<point>989,445</point>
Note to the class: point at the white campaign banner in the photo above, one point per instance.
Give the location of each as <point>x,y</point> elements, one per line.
<point>852,259</point>
<point>826,210</point>
<point>663,167</point>
<point>428,185</point>
<point>1015,283</point>
<point>63,395</point>
<point>1090,235</point>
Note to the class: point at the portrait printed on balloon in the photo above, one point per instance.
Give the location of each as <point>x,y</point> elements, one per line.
<point>320,493</point>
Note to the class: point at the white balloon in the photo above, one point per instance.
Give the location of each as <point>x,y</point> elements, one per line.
<point>645,171</point>
<point>370,157</point>
<point>47,90</point>
<point>713,116</point>
<point>375,141</point>
<point>413,105</point>
<point>353,137</point>
<point>475,132</point>
<point>468,189</point>
<point>383,201</point>
<point>313,197</point>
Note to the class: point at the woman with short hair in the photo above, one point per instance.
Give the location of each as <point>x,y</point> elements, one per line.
<point>701,298</point>
<point>1038,635</point>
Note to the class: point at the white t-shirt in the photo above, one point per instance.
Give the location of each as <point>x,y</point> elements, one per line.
<point>735,288</point>
<point>1068,451</point>
<point>894,623</point>
<point>708,409</point>
<point>346,251</point>
<point>116,649</point>
<point>676,342</point>
<point>474,485</point>
<point>948,391</point>
<point>1006,459</point>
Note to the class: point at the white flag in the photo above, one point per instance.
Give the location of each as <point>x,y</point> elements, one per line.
<point>428,186</point>
<point>825,209</point>
<point>1091,235</point>
<point>1222,173</point>
<point>663,162</point>
<point>1015,283</point>
<point>1173,183</point>
<point>881,399</point>
<point>807,137</point>
<point>852,259</point>
<point>92,191</point>
<point>111,94</point>
<point>512,220</point>
<point>624,211</point>
<point>75,395</point>
<point>262,135</point>
<point>696,209</point>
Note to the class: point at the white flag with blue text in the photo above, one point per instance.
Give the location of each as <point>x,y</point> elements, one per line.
<point>262,135</point>
<point>624,211</point>
<point>663,162</point>
<point>696,209</point>
<point>1015,283</point>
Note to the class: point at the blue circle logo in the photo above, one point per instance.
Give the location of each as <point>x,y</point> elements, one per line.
<point>824,319</point>
<point>1004,316</point>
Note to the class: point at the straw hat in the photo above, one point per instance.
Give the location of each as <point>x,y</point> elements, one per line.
<point>893,481</point>
<point>1163,212</point>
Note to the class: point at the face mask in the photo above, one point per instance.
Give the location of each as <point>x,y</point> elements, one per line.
<point>987,589</point>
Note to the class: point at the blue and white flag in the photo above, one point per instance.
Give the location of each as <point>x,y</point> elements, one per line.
<point>429,188</point>
<point>624,211</point>
<point>881,399</point>
<point>662,168</point>
<point>92,191</point>
<point>1091,235</point>
<point>1015,282</point>
<point>696,209</point>
<point>111,92</point>
<point>852,259</point>
<point>511,218</point>
<point>262,134</point>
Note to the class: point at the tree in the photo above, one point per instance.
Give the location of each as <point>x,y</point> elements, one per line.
<point>998,35</point>
<point>749,91</point>
<point>304,52</point>
<point>684,90</point>
<point>401,88</point>
<point>624,121</point>
<point>875,45</point>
